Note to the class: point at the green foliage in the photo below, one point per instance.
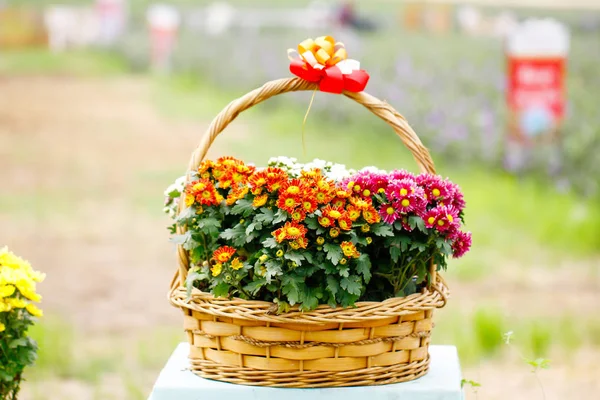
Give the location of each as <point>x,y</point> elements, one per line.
<point>488,327</point>
<point>540,337</point>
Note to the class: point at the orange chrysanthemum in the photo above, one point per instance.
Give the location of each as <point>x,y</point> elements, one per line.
<point>345,223</point>
<point>275,178</point>
<point>290,231</point>
<point>349,250</point>
<point>309,204</point>
<point>299,243</point>
<point>223,254</point>
<point>288,202</point>
<point>258,180</point>
<point>332,212</point>
<point>205,166</point>
<point>325,221</point>
<point>203,191</point>
<point>361,203</point>
<point>353,212</point>
<point>344,194</point>
<point>371,215</point>
<point>293,187</point>
<point>338,202</point>
<point>236,194</point>
<point>298,215</point>
<point>260,201</point>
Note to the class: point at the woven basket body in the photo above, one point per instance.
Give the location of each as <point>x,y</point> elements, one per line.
<point>247,342</point>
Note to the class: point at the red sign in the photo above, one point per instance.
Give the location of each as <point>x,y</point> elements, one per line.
<point>536,83</point>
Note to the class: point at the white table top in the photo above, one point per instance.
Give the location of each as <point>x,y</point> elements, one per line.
<point>442,382</point>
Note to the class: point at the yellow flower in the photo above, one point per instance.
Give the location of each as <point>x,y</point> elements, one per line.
<point>334,232</point>
<point>365,228</point>
<point>216,269</point>
<point>2,327</point>
<point>189,200</point>
<point>6,291</point>
<point>17,303</point>
<point>263,258</point>
<point>236,264</point>
<point>279,253</point>
<point>4,306</point>
<point>33,310</point>
<point>343,261</point>
<point>369,240</point>
<point>320,240</point>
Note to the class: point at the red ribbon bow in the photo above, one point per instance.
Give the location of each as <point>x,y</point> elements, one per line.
<point>330,79</point>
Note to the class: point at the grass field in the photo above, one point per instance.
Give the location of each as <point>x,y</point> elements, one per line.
<point>86,150</point>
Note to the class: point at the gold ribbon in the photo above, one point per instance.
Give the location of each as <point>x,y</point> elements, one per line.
<point>321,52</point>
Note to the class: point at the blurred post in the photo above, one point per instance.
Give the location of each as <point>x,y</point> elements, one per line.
<point>163,22</point>
<point>438,18</point>
<point>112,16</point>
<point>20,27</point>
<point>536,63</point>
<point>412,16</point>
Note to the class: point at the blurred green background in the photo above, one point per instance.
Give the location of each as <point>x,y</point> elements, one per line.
<point>89,138</point>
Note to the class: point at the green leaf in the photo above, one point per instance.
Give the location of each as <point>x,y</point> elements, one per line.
<point>294,256</point>
<point>382,229</point>
<point>274,268</point>
<point>181,238</point>
<point>291,290</point>
<point>334,252</point>
<point>538,363</point>
<point>236,235</point>
<point>470,383</point>
<point>417,222</point>
<point>310,301</point>
<point>443,246</point>
<point>23,341</point>
<point>186,216</point>
<point>312,223</point>
<point>254,286</point>
<point>343,270</point>
<point>243,207</point>
<point>270,243</point>
<point>192,278</point>
<point>352,284</point>
<point>266,216</point>
<point>252,227</point>
<point>418,245</point>
<point>280,216</point>
<point>5,376</point>
<point>282,306</point>
<point>221,290</point>
<point>363,267</point>
<point>196,255</point>
<point>395,253</point>
<point>347,299</point>
<point>333,285</point>
<point>209,225</point>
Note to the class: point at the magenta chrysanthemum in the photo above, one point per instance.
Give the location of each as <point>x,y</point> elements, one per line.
<point>389,213</point>
<point>461,244</point>
<point>400,174</point>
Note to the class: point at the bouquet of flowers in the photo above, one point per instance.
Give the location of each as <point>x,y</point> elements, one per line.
<point>17,313</point>
<point>311,234</point>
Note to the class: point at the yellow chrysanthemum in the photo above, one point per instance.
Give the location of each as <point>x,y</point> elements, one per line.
<point>17,303</point>
<point>2,327</point>
<point>34,310</point>
<point>6,290</point>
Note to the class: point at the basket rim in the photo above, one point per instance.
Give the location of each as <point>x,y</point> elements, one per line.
<point>260,310</point>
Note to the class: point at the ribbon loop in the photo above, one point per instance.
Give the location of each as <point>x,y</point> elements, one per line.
<point>325,61</point>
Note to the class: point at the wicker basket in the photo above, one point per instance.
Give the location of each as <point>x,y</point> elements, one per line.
<point>247,342</point>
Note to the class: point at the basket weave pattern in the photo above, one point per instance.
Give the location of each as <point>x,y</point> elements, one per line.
<point>247,342</point>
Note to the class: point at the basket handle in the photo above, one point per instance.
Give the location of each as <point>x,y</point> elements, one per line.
<point>380,108</point>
